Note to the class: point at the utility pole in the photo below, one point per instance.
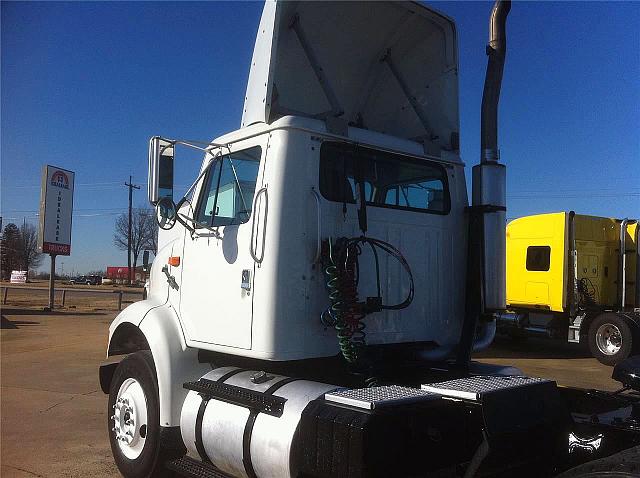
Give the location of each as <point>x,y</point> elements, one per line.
<point>25,252</point>
<point>131,187</point>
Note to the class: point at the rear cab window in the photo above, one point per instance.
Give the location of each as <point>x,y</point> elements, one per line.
<point>390,180</point>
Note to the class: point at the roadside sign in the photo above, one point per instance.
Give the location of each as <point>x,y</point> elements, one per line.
<point>18,277</point>
<point>56,208</point>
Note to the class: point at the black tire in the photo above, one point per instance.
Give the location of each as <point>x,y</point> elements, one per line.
<point>625,464</point>
<point>617,322</point>
<point>150,462</point>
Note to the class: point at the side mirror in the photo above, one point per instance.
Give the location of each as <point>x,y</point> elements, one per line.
<point>166,213</point>
<point>145,261</point>
<point>160,181</point>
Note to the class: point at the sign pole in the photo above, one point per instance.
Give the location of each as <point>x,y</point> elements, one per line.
<point>56,215</point>
<point>52,278</point>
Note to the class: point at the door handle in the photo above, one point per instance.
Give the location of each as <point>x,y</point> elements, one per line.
<point>170,279</point>
<point>252,251</point>
<point>245,284</point>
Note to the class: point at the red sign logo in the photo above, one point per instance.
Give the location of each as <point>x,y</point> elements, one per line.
<point>60,180</point>
<point>53,248</point>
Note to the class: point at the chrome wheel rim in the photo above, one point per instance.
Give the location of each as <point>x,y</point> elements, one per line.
<point>609,339</point>
<point>130,418</point>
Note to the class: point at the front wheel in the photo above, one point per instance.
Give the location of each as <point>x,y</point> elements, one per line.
<point>134,418</point>
<point>610,338</point>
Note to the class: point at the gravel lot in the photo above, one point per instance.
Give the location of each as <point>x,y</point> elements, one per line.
<point>54,413</point>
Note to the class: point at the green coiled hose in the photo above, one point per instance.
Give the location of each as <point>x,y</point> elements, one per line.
<point>343,312</point>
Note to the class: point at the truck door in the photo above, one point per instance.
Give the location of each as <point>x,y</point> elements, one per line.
<point>217,278</point>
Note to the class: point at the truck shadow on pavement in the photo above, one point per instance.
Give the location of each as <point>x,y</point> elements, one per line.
<point>534,348</point>
<point>15,324</point>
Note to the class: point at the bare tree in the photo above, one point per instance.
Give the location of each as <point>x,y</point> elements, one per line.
<point>31,257</point>
<point>152,233</point>
<point>143,232</point>
<point>19,249</point>
<point>10,255</point>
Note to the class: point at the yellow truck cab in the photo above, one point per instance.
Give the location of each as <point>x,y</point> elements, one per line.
<point>575,276</point>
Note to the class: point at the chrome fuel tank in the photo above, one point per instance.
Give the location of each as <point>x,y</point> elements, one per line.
<point>238,438</point>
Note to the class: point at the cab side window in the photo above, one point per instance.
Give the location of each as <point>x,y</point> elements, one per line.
<point>230,183</point>
<point>538,258</point>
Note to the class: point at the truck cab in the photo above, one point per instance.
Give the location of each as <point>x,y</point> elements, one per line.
<point>318,121</point>
<point>320,287</point>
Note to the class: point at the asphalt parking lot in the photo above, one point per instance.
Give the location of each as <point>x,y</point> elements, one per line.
<point>54,413</point>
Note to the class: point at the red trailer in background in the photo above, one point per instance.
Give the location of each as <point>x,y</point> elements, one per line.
<point>120,274</point>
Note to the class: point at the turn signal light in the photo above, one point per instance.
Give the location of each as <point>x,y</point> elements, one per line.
<point>174,261</point>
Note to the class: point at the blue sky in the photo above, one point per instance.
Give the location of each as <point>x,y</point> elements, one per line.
<point>84,85</point>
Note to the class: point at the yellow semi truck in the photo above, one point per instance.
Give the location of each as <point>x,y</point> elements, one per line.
<point>576,277</point>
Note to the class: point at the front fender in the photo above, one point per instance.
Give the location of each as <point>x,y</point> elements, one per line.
<point>175,363</point>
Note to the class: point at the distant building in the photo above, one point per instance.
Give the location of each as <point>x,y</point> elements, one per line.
<point>120,274</point>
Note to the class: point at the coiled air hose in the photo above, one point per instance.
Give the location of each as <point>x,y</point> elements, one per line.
<point>345,312</point>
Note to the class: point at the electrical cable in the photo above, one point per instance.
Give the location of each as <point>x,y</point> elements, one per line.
<point>587,293</point>
<point>342,272</point>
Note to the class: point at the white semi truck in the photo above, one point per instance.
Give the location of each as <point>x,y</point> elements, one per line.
<point>320,288</point>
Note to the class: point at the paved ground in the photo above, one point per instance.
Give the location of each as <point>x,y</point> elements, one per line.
<point>568,364</point>
<point>53,411</point>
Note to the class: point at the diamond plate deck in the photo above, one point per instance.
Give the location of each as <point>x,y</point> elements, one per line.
<point>376,397</point>
<point>191,468</point>
<point>473,388</point>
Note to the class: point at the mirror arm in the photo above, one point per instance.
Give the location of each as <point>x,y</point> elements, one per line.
<point>182,217</point>
<point>207,147</point>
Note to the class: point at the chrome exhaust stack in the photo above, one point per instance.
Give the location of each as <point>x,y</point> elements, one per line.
<point>489,177</point>
<point>486,258</point>
<point>496,51</point>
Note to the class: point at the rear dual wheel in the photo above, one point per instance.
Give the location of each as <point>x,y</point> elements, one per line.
<point>611,338</point>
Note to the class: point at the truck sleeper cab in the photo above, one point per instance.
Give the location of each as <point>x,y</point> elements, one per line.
<point>574,276</point>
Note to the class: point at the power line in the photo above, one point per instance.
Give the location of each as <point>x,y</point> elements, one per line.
<point>109,185</point>
<point>572,196</point>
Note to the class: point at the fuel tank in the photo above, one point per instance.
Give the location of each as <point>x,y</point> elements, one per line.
<point>229,432</point>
